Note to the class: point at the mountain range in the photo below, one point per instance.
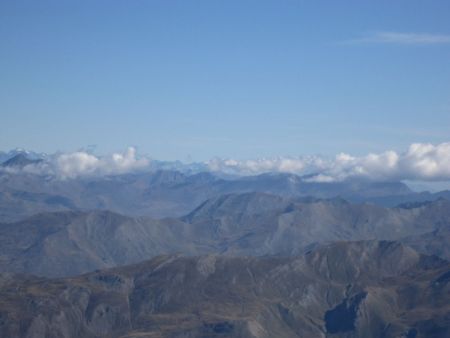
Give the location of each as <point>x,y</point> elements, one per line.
<point>168,253</point>
<point>248,224</point>
<point>358,289</point>
<point>167,193</point>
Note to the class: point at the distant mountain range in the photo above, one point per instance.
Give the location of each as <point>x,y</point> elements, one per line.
<point>248,224</point>
<point>187,254</point>
<point>345,289</point>
<point>166,193</point>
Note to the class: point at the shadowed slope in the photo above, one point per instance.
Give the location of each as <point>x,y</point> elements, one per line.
<point>372,289</point>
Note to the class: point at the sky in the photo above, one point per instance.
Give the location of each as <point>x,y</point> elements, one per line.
<point>195,80</point>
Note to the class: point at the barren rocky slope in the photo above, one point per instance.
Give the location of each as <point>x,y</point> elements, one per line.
<point>346,289</point>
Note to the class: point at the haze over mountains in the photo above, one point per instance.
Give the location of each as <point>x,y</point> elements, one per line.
<point>110,220</point>
<point>419,162</point>
<point>215,255</point>
<point>25,190</point>
<point>249,224</point>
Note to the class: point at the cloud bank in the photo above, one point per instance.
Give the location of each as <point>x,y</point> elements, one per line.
<point>81,163</point>
<point>420,162</point>
<point>424,162</point>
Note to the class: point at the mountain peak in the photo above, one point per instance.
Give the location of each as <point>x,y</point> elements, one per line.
<point>20,160</point>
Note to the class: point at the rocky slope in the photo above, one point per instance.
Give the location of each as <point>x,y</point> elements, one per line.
<point>346,289</point>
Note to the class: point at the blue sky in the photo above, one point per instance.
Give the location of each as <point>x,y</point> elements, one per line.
<point>241,79</point>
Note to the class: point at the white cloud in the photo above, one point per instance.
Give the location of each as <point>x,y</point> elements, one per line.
<point>75,164</point>
<point>427,162</point>
<point>320,178</point>
<point>421,161</point>
<point>82,163</point>
<point>403,38</point>
<point>257,166</point>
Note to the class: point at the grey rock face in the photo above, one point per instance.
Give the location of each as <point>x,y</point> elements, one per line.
<point>346,289</point>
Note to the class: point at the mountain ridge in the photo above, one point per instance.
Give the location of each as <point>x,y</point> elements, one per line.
<point>258,224</point>
<point>169,193</point>
<point>214,296</point>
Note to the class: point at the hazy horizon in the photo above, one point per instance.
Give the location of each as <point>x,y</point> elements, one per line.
<point>422,166</point>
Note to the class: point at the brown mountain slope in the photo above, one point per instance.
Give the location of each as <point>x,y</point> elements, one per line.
<point>347,289</point>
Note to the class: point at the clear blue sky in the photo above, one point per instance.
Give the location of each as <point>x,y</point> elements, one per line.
<point>240,79</point>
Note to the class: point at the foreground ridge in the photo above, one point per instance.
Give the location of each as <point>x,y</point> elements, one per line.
<point>344,289</point>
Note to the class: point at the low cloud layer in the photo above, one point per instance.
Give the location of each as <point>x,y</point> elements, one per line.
<point>420,162</point>
<point>81,163</point>
<point>425,162</point>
